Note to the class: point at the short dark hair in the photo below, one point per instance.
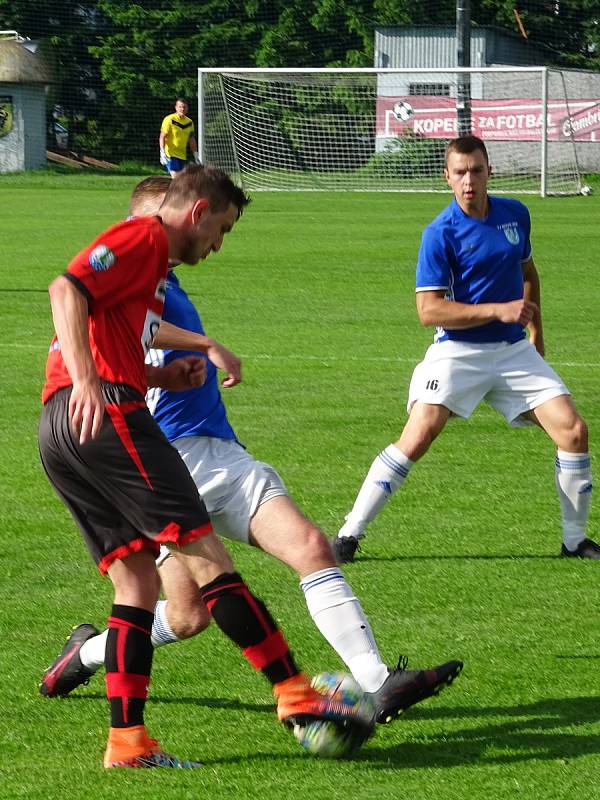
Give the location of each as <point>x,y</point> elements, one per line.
<point>148,195</point>
<point>465,145</point>
<point>210,182</point>
<point>181,100</point>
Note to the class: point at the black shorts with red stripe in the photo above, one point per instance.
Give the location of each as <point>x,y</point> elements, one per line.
<point>128,488</point>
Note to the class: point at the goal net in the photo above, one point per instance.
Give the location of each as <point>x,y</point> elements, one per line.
<point>386,130</point>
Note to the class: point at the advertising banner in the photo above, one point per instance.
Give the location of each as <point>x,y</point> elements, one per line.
<point>492,120</point>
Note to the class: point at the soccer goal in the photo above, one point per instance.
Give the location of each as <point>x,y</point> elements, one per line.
<point>386,130</point>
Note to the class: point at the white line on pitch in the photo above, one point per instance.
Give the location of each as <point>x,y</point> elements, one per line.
<point>325,359</point>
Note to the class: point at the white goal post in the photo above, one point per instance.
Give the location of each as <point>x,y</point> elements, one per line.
<point>304,129</point>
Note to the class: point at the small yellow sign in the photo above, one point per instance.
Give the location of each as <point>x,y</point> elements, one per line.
<point>6,115</point>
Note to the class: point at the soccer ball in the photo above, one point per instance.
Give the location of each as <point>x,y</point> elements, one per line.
<point>403,111</point>
<point>343,737</point>
<point>586,189</point>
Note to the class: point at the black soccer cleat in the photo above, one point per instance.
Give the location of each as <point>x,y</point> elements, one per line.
<point>67,672</point>
<point>585,549</point>
<point>405,687</point>
<point>344,548</point>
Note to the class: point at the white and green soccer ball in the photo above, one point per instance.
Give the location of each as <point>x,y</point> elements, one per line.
<point>337,738</point>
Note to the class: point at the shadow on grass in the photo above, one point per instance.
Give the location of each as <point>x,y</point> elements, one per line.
<point>204,702</point>
<point>23,291</point>
<point>548,730</point>
<point>463,557</point>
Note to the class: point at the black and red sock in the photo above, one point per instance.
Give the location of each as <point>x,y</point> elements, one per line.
<point>246,621</point>
<point>128,662</point>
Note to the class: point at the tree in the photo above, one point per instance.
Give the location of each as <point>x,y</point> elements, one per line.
<point>66,28</point>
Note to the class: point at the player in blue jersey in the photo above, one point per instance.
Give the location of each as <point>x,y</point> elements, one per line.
<point>247,501</point>
<point>478,284</point>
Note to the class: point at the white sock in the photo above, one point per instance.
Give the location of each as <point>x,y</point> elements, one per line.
<point>92,651</point>
<point>387,474</point>
<point>340,618</point>
<point>574,485</point>
<point>162,633</point>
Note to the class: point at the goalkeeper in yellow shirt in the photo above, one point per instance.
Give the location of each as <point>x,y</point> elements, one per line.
<point>176,133</point>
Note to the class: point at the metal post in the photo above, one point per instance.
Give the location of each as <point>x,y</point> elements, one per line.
<point>544,154</point>
<point>463,59</point>
<point>201,115</point>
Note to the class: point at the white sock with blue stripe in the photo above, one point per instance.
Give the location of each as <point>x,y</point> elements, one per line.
<point>162,633</point>
<point>92,651</point>
<point>340,618</point>
<point>387,474</point>
<point>574,485</point>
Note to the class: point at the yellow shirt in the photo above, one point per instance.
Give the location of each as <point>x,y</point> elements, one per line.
<point>178,131</point>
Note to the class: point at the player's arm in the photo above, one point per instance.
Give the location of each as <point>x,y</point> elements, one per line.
<point>531,283</point>
<point>173,338</point>
<point>179,375</point>
<point>194,148</point>
<point>70,315</point>
<point>162,136</point>
<point>434,309</point>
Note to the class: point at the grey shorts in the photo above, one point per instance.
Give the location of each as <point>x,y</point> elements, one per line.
<point>231,482</point>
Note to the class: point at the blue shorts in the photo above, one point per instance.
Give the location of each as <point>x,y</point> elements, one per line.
<point>175,164</point>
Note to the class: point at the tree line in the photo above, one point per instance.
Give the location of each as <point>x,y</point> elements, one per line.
<point>120,64</point>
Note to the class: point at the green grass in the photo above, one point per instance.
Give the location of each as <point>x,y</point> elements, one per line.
<point>315,292</point>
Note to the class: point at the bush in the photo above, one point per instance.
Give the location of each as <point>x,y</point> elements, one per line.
<point>408,156</point>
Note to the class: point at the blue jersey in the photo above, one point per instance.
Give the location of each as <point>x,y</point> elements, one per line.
<point>477,261</point>
<point>196,412</point>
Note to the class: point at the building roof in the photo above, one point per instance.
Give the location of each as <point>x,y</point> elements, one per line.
<point>24,62</point>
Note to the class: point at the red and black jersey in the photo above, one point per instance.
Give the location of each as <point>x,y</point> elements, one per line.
<point>123,276</point>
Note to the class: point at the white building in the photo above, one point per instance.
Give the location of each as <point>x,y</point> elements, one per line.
<point>24,75</point>
<point>506,107</point>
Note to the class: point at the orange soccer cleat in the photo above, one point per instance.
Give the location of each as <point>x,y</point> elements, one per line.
<point>132,747</point>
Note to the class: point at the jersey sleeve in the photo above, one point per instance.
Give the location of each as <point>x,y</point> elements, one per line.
<point>166,125</point>
<point>117,264</point>
<point>433,266</point>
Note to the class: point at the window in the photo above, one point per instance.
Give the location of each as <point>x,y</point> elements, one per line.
<point>439,89</point>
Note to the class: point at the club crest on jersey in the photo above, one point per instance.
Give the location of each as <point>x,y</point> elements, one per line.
<point>511,231</point>
<point>101,258</point>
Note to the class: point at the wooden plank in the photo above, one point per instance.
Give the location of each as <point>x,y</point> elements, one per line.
<point>65,160</point>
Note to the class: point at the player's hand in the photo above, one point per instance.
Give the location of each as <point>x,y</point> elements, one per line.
<point>521,311</point>
<point>196,155</point>
<point>86,409</point>
<point>227,361</point>
<point>181,374</point>
<point>163,157</point>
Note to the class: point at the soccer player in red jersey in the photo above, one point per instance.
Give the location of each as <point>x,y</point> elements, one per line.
<point>125,485</point>
<point>247,501</point>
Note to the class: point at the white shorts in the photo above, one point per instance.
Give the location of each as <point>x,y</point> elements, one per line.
<point>512,378</point>
<point>230,481</point>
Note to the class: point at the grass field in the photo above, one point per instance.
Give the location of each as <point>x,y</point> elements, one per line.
<point>315,292</point>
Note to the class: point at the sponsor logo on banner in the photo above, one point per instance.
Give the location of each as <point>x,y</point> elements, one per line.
<point>582,125</point>
<point>101,258</point>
